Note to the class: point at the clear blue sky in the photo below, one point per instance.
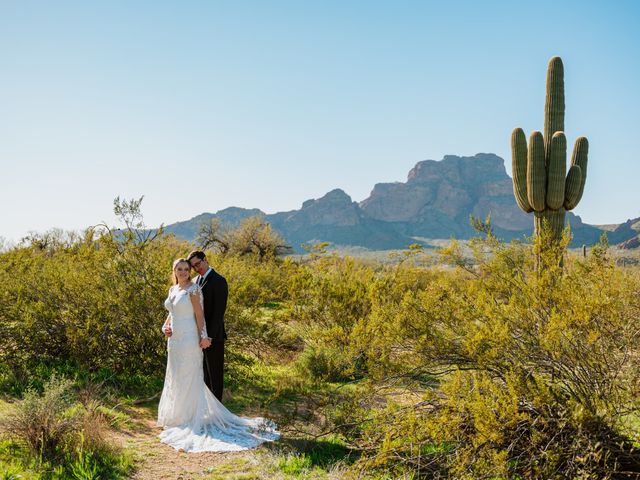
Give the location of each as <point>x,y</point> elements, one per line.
<point>203,105</point>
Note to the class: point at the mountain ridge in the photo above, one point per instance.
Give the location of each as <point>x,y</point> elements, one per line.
<point>434,202</point>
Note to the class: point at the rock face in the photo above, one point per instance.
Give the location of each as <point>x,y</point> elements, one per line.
<point>627,234</point>
<point>443,194</point>
<point>336,209</point>
<point>631,243</point>
<point>188,229</point>
<point>337,219</point>
<point>435,202</point>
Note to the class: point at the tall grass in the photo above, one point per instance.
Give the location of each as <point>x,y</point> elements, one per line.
<point>61,437</point>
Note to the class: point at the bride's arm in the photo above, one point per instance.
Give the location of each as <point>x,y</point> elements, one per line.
<point>166,327</point>
<point>197,309</point>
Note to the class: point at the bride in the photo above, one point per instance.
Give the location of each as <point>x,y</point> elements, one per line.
<point>193,419</point>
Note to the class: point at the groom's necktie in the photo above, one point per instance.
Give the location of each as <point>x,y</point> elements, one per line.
<point>200,281</point>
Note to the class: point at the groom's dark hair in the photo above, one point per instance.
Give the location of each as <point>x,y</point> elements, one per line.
<point>195,254</point>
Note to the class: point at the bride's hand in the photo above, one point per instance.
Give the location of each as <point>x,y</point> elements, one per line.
<point>205,343</point>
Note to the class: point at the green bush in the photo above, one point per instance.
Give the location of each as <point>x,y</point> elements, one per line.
<point>326,364</point>
<point>64,436</point>
<point>494,368</point>
<point>536,369</point>
<point>43,422</point>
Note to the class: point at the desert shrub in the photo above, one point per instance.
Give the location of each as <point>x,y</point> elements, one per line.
<point>329,298</point>
<point>64,436</point>
<point>496,368</point>
<point>67,294</point>
<point>535,369</point>
<point>335,301</point>
<point>253,237</point>
<point>326,364</point>
<point>94,294</point>
<point>43,422</point>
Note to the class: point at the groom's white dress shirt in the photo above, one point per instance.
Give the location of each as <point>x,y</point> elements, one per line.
<point>201,278</point>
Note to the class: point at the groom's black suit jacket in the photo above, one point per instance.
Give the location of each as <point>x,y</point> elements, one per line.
<point>215,291</point>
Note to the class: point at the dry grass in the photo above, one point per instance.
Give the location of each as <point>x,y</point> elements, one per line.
<point>42,422</point>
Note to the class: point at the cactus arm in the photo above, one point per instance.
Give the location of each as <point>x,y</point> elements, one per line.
<point>580,158</point>
<point>554,102</point>
<point>572,187</point>
<point>536,173</point>
<point>519,168</point>
<point>556,171</point>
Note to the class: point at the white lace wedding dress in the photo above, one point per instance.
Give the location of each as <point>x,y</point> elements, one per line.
<point>193,419</point>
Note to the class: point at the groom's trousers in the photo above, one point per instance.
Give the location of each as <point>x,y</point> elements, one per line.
<point>213,365</point>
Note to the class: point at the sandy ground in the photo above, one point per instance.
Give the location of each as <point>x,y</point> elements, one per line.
<point>155,460</point>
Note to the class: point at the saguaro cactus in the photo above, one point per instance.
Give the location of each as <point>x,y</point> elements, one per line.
<point>540,181</point>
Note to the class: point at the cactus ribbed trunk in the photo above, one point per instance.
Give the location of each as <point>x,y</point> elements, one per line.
<point>555,219</point>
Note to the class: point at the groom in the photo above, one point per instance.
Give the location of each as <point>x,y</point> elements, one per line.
<point>215,292</point>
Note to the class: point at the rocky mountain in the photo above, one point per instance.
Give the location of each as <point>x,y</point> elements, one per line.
<point>627,234</point>
<point>188,229</point>
<point>631,243</point>
<point>434,203</point>
<point>336,218</point>
<point>438,197</point>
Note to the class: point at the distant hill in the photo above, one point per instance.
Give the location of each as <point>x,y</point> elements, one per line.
<point>188,229</point>
<point>626,235</point>
<point>435,202</point>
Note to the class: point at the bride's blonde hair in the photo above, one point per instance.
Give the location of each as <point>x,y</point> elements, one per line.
<point>175,264</point>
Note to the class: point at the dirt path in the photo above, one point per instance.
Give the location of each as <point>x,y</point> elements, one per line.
<point>155,460</point>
